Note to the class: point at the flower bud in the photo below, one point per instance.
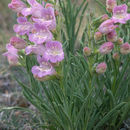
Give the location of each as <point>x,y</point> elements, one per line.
<point>112,36</point>
<point>17,5</point>
<point>18,43</point>
<point>48,5</point>
<point>110,5</point>
<point>87,51</point>
<point>104,17</point>
<point>56,13</point>
<point>119,41</point>
<point>98,36</point>
<point>101,68</point>
<point>11,54</point>
<point>116,56</point>
<point>125,48</point>
<point>106,48</point>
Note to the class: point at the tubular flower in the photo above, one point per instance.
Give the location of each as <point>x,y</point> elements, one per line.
<point>87,51</point>
<point>43,71</point>
<point>34,10</point>
<point>107,26</point>
<point>41,34</point>
<point>112,36</point>
<point>101,68</point>
<point>17,5</point>
<point>125,48</point>
<point>98,36</point>
<point>106,48</point>
<point>110,5</point>
<point>24,27</point>
<point>18,43</point>
<point>47,18</point>
<point>54,51</point>
<point>35,49</point>
<point>120,14</point>
<point>11,54</point>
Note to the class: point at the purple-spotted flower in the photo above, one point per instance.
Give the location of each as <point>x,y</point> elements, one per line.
<point>125,48</point>
<point>43,71</point>
<point>101,68</point>
<point>120,14</point>
<point>35,49</point>
<point>112,36</point>
<point>106,48</point>
<point>54,51</point>
<point>47,18</point>
<point>17,42</point>
<point>110,5</point>
<point>41,34</point>
<point>24,27</point>
<point>107,26</point>
<point>11,54</point>
<point>17,5</point>
<point>87,51</point>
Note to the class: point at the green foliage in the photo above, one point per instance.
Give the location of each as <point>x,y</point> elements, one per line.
<point>80,99</point>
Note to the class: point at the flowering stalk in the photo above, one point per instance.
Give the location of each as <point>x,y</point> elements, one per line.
<point>74,88</point>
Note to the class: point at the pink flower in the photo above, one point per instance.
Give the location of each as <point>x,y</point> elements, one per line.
<point>17,5</point>
<point>110,5</point>
<point>47,18</point>
<point>43,71</point>
<point>101,68</point>
<point>107,26</point>
<point>125,48</point>
<point>112,36</point>
<point>35,49</point>
<point>26,11</point>
<point>87,51</point>
<point>18,43</point>
<point>106,48</point>
<point>54,51</point>
<point>11,54</point>
<point>120,14</point>
<point>98,36</point>
<point>34,10</point>
<point>24,27</point>
<point>41,35</point>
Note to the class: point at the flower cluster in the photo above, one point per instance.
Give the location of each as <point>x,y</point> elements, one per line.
<point>108,29</point>
<point>36,23</point>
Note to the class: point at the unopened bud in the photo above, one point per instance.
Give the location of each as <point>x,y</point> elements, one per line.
<point>116,56</point>
<point>87,51</point>
<point>125,48</point>
<point>98,36</point>
<point>104,17</point>
<point>120,41</point>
